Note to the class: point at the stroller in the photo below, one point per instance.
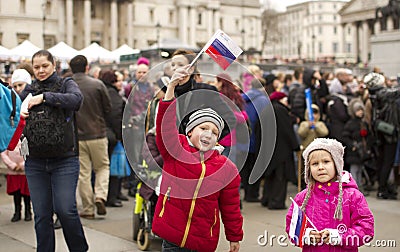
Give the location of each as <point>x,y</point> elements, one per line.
<point>146,199</point>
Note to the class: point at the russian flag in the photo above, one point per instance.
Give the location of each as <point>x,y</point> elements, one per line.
<point>222,49</point>
<point>297,225</point>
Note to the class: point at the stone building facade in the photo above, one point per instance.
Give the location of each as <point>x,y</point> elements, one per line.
<point>310,30</point>
<point>137,23</point>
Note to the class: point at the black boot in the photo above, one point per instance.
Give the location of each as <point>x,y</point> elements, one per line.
<point>17,204</point>
<point>28,213</point>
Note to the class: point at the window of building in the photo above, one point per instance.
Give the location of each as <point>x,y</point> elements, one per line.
<point>320,17</point>
<point>21,37</point>
<point>221,23</point>
<point>171,16</point>
<point>49,41</point>
<point>48,7</point>
<point>348,47</point>
<point>199,18</point>
<point>334,30</point>
<point>22,6</point>
<point>349,31</point>
<point>334,17</point>
<point>334,6</point>
<point>92,11</point>
<point>320,47</point>
<point>320,6</point>
<point>1,38</point>
<point>335,47</point>
<point>151,14</point>
<point>320,30</point>
<point>237,24</point>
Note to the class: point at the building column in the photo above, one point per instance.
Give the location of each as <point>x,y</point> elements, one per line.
<point>70,23</point>
<point>344,39</point>
<point>183,21</point>
<point>129,33</point>
<point>192,26</point>
<point>355,43</point>
<point>377,27</point>
<point>114,24</point>
<point>365,48</point>
<point>210,24</point>
<point>216,19</point>
<point>87,22</point>
<point>61,20</point>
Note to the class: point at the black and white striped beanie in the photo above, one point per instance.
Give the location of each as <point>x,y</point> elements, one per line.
<point>205,115</point>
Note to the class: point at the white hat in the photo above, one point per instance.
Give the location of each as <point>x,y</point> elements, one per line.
<point>21,75</point>
<point>334,147</point>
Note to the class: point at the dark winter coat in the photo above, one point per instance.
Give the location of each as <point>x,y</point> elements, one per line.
<point>193,96</point>
<point>286,141</point>
<point>114,118</point>
<point>338,115</point>
<point>298,97</point>
<point>90,118</point>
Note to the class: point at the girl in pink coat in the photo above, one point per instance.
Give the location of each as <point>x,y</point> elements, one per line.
<point>339,218</point>
<point>17,184</point>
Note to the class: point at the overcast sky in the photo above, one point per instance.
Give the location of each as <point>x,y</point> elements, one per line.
<point>280,5</point>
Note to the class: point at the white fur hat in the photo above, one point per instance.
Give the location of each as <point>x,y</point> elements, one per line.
<point>21,75</point>
<point>334,147</point>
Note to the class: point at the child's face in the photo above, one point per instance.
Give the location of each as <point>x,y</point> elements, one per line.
<point>360,113</point>
<point>204,136</point>
<point>322,166</point>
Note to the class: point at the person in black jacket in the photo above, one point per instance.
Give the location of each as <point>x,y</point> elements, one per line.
<point>358,140</point>
<point>192,96</point>
<point>113,81</point>
<point>311,79</point>
<point>281,168</point>
<point>52,179</point>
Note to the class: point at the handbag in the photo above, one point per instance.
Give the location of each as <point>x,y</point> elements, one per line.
<point>119,165</point>
<point>385,127</point>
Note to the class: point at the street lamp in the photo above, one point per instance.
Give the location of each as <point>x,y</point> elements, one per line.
<point>44,23</point>
<point>243,34</point>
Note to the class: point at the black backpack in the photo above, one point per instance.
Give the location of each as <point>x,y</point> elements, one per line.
<point>49,130</point>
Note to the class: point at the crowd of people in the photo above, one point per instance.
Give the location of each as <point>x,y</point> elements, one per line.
<point>219,123</point>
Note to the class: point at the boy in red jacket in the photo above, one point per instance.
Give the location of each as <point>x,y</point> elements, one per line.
<point>198,183</point>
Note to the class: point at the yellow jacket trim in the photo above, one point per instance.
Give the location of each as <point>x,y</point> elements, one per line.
<point>196,192</point>
<point>164,200</point>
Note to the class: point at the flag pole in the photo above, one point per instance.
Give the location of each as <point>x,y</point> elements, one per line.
<point>195,59</point>
<point>312,224</point>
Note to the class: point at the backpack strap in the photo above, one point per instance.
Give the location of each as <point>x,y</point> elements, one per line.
<point>14,106</point>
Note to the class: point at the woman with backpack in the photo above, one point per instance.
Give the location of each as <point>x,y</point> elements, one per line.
<point>52,166</point>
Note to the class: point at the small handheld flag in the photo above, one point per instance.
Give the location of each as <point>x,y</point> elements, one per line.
<point>307,93</point>
<point>222,49</point>
<point>298,225</point>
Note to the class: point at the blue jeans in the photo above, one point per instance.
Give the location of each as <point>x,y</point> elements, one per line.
<point>52,184</point>
<point>170,247</point>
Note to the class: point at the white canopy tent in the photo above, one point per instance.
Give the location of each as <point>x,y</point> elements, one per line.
<point>24,50</point>
<point>63,51</point>
<point>4,53</point>
<point>94,52</point>
<point>124,50</point>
